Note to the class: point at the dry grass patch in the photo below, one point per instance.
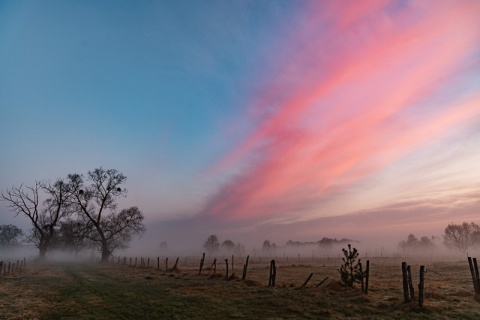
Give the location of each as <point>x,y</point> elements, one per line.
<point>93,291</point>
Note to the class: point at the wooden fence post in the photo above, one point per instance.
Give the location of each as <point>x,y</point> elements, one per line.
<point>410,283</point>
<point>405,282</point>
<point>306,281</point>
<point>226,263</point>
<point>421,286</point>
<point>175,265</point>
<point>214,265</point>
<point>166,264</point>
<point>201,264</point>
<point>321,282</point>
<point>367,275</point>
<point>273,274</point>
<point>477,277</point>
<point>245,267</point>
<point>474,278</point>
<point>361,272</point>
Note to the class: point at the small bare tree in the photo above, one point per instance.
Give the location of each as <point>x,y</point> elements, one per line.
<point>45,215</point>
<point>462,236</point>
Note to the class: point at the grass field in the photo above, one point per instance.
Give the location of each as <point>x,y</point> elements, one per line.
<point>95,291</point>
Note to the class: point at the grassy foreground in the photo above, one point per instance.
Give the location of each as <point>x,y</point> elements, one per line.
<point>93,291</point>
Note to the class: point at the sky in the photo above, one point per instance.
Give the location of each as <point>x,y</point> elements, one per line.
<point>251,120</point>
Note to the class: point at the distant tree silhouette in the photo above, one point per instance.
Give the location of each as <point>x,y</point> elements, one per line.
<point>9,235</point>
<point>228,245</point>
<point>211,244</point>
<point>412,244</point>
<point>267,246</point>
<point>462,236</point>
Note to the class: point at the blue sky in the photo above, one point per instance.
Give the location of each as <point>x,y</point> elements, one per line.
<point>244,113</point>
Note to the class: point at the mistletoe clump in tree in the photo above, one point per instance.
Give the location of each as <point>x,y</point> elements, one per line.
<point>350,271</point>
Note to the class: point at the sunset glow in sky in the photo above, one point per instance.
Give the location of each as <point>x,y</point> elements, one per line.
<point>251,119</point>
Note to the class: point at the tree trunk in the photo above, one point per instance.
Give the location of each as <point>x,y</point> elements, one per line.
<point>42,246</point>
<point>43,251</point>
<point>105,252</point>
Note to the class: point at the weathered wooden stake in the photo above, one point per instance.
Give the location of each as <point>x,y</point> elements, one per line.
<point>367,275</point>
<point>477,277</point>
<point>306,281</point>
<point>410,283</point>
<point>321,282</point>
<point>245,267</point>
<point>226,263</point>
<point>405,282</point>
<point>421,286</point>
<point>201,264</point>
<point>273,274</point>
<point>148,263</point>
<point>158,263</point>
<point>361,272</point>
<point>166,264</point>
<point>474,278</point>
<point>135,262</point>
<point>175,265</point>
<point>214,265</point>
<point>233,259</point>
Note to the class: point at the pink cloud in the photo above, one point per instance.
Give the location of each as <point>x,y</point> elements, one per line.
<point>348,116</point>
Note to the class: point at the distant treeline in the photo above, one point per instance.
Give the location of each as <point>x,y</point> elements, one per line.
<point>325,242</point>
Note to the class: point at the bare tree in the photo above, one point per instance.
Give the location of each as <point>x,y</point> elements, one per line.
<point>461,236</point>
<point>96,208</point>
<point>212,244</point>
<point>9,235</point>
<point>25,200</point>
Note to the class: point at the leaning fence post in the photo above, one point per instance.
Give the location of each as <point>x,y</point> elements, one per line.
<point>474,278</point>
<point>405,282</point>
<point>477,276</point>
<point>421,286</point>
<point>306,281</point>
<point>201,264</point>
<point>175,265</point>
<point>245,267</point>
